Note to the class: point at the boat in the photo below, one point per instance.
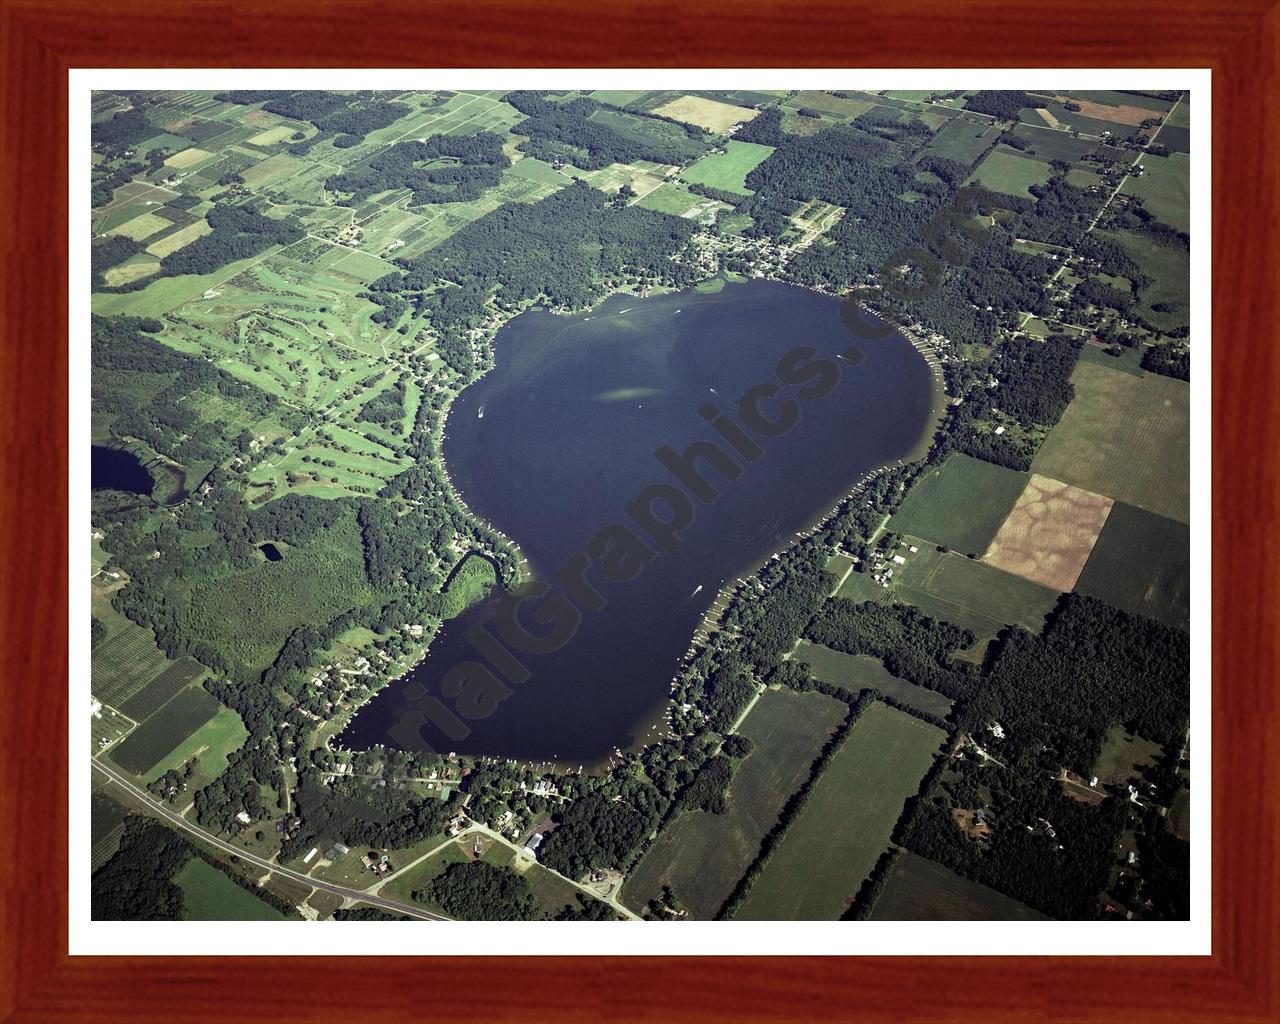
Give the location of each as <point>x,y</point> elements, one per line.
<point>695,593</point>
<point>480,413</point>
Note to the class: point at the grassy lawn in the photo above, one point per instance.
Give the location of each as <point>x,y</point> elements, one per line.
<point>860,672</point>
<point>1123,756</point>
<point>923,890</point>
<point>701,856</point>
<point>822,860</point>
<point>1126,437</point>
<point>209,895</point>
<point>728,170</point>
<point>960,505</point>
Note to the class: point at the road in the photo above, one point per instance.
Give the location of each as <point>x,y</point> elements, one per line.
<point>174,818</point>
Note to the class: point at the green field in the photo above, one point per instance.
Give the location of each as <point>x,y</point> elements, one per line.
<point>404,886</point>
<point>1123,756</point>
<point>1141,562</point>
<point>1169,268</point>
<point>972,594</point>
<point>223,734</point>
<point>1126,437</point>
<point>820,863</point>
<point>728,170</point>
<point>1164,188</point>
<point>859,672</point>
<point>923,890</point>
<point>1008,171</point>
<point>702,856</point>
<point>209,895</point>
<point>960,505</point>
<point>962,140</point>
<point>164,730</point>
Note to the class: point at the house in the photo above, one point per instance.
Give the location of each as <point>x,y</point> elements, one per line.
<point>243,818</point>
<point>999,431</point>
<point>899,560</point>
<point>531,846</point>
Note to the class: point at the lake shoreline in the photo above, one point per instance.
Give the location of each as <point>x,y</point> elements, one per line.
<point>650,726</point>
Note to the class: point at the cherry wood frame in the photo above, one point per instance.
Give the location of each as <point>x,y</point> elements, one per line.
<point>41,39</point>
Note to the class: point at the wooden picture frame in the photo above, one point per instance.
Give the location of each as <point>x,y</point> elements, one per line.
<point>41,39</point>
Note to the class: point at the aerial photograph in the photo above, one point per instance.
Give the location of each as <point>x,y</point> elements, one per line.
<point>624,505</point>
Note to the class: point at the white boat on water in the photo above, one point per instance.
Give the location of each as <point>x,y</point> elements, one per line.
<point>480,413</point>
<point>695,593</point>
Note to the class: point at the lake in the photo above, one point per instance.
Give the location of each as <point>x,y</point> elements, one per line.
<point>559,441</point>
<point>118,469</point>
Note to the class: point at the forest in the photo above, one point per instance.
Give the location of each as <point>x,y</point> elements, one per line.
<point>1057,693</point>
<point>565,131</point>
<point>597,832</point>
<point>912,646</point>
<point>443,169</point>
<point>480,891</point>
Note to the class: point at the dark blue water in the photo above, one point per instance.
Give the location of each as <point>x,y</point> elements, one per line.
<point>117,469</point>
<point>270,552</point>
<point>572,416</point>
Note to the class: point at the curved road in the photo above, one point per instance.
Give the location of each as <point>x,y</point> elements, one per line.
<point>174,818</point>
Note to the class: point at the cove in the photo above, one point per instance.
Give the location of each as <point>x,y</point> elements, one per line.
<point>560,437</point>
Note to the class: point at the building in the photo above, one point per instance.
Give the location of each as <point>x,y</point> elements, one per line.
<point>531,846</point>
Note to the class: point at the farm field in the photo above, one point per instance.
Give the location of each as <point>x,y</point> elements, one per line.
<point>163,688</point>
<point>209,895</point>
<point>859,672</point>
<point>962,140</point>
<point>1164,188</point>
<point>971,594</point>
<point>673,198</point>
<point>1006,170</point>
<point>960,505</point>
<point>728,170</point>
<point>816,870</point>
<point>1126,437</point>
<point>123,665</point>
<point>211,744</point>
<point>106,825</point>
<point>1049,533</point>
<point>712,115</point>
<point>1169,268</point>
<point>1142,563</point>
<point>702,856</point>
<point>164,730</point>
<point>919,889</point>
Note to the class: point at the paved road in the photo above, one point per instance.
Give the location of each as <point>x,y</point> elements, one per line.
<point>174,818</point>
